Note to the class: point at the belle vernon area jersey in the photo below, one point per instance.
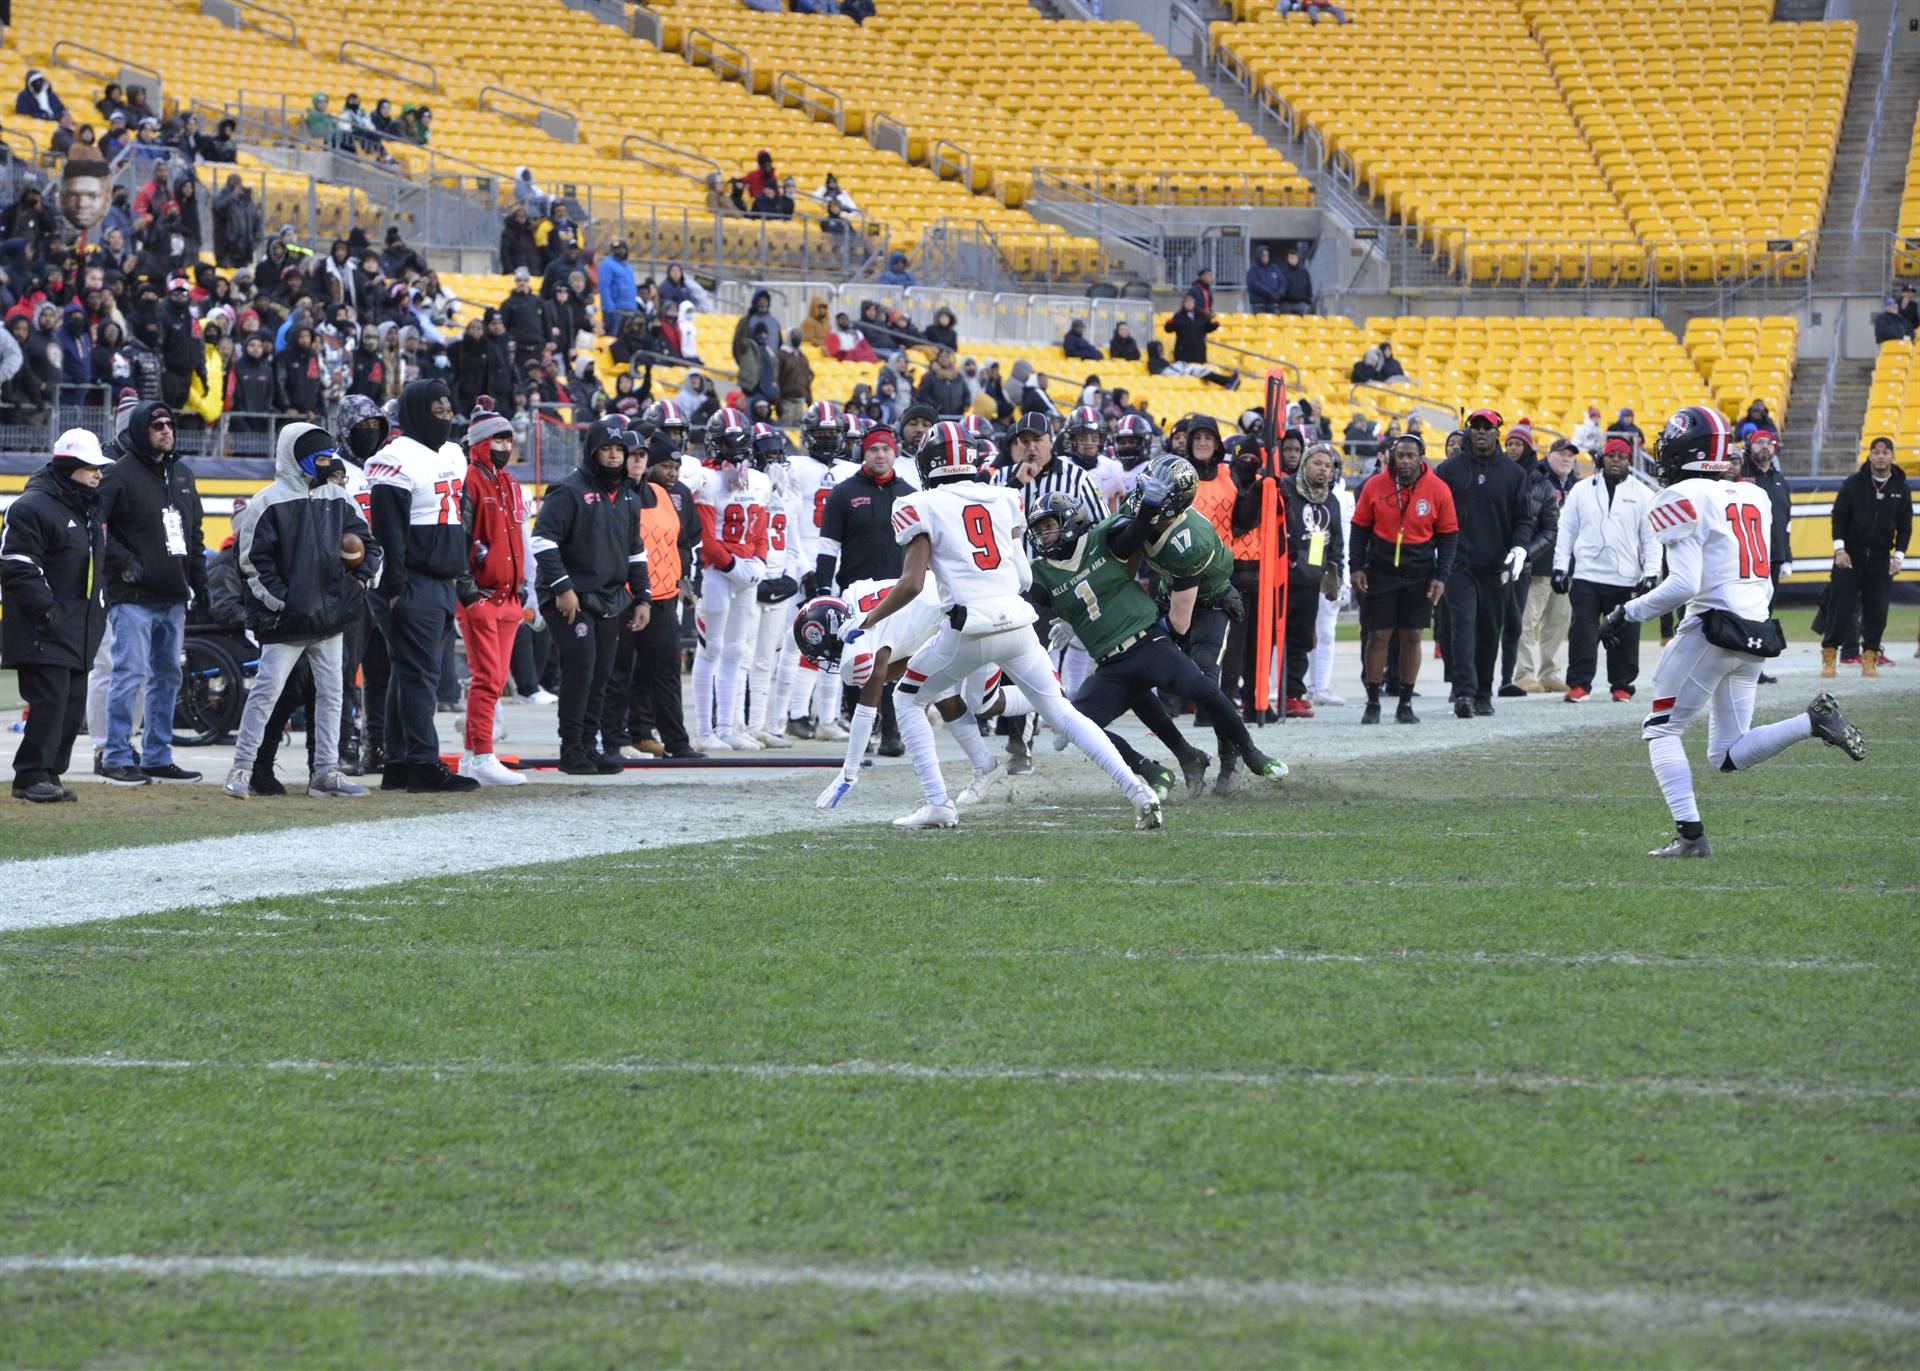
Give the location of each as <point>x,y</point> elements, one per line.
<point>1095,593</point>
<point>1190,550</point>
<point>1725,524</point>
<point>978,561</point>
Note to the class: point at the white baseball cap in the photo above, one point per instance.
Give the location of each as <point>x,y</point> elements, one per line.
<point>79,445</point>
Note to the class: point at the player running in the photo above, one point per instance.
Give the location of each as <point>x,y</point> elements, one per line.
<point>1714,531</point>
<point>967,534</point>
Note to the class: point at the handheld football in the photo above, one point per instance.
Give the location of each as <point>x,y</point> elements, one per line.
<point>353,550</point>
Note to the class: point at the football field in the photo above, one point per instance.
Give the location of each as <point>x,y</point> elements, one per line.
<point>1417,1060</point>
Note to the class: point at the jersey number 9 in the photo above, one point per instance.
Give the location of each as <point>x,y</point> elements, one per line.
<point>979,526</point>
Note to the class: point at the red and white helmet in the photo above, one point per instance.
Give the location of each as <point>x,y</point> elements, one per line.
<point>978,427</point>
<point>824,426</point>
<point>729,437</point>
<point>947,453</point>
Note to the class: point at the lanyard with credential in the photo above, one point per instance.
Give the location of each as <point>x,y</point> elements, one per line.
<point>1402,494</point>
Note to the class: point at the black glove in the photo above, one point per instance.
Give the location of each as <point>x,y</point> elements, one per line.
<point>1646,584</point>
<point>810,585</point>
<point>1234,607</point>
<point>777,589</point>
<point>132,573</point>
<point>1183,641</point>
<point>1561,581</point>
<point>1614,629</point>
<point>468,597</point>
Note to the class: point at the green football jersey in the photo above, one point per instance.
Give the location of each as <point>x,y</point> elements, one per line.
<point>1191,548</point>
<point>1096,594</point>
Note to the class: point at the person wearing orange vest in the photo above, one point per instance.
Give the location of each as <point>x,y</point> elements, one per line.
<point>494,589</point>
<point>643,698</point>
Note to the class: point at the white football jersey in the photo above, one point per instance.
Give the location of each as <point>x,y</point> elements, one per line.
<point>1111,478</point>
<point>1730,522</point>
<point>975,531</point>
<point>742,513</point>
<point>809,483</point>
<point>432,479</point>
<point>359,490</point>
<point>903,633</point>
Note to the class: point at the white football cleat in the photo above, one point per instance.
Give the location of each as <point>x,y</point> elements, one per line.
<point>832,730</point>
<point>488,769</point>
<point>767,737</point>
<point>978,787</point>
<point>1146,813</point>
<point>711,742</point>
<point>929,816</point>
<point>1327,697</point>
<point>739,740</point>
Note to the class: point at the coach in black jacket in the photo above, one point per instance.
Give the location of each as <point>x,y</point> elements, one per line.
<point>1872,524</point>
<point>856,527</point>
<point>1492,498</point>
<point>591,572</point>
<point>52,577</point>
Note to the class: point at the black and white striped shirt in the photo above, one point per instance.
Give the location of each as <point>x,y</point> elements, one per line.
<point>1061,474</point>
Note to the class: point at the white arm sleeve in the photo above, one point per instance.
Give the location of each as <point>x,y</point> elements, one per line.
<point>1684,565</point>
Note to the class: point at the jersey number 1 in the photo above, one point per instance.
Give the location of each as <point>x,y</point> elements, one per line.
<point>979,526</point>
<point>1752,538</point>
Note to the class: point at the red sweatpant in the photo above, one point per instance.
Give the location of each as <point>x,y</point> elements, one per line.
<point>489,630</point>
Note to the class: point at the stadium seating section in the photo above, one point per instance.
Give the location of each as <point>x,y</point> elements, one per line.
<point>1906,253</point>
<point>1745,359</point>
<point>1893,402</point>
<point>1580,125</point>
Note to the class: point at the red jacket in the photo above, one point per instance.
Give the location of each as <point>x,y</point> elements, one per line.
<point>1406,531</point>
<point>494,510</point>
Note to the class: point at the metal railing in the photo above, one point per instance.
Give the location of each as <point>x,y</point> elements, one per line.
<point>948,156</point>
<point>1166,187</point>
<point>702,49</point>
<point>791,89</point>
<point>557,122</point>
<point>239,14</point>
<point>122,66</point>
<point>979,315</point>
<point>1395,402</point>
<point>888,134</point>
<point>709,166</point>
<point>400,73</point>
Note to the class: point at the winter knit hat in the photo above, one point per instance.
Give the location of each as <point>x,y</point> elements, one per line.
<point>486,425</point>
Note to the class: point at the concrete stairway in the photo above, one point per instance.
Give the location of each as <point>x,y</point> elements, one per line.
<point>1840,271</point>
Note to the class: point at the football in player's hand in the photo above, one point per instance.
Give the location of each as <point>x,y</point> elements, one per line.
<point>353,550</point>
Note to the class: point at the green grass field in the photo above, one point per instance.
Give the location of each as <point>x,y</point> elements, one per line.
<point>1360,1063</point>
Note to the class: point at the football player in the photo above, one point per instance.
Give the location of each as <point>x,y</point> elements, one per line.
<point>734,503</point>
<point>883,657</point>
<point>966,534</point>
<point>812,475</point>
<point>1715,532</point>
<point>776,598</point>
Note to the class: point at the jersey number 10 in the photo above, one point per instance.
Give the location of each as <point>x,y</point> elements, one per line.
<point>1752,538</point>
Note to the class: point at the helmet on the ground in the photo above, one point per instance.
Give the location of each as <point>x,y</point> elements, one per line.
<point>1132,440</point>
<point>729,436</point>
<point>1695,442</point>
<point>824,426</point>
<point>1065,511</point>
<point>817,629</point>
<point>947,454</point>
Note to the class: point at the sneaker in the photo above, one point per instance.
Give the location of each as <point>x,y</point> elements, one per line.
<point>1403,713</point>
<point>1576,694</point>
<point>1685,847</point>
<point>170,775</point>
<point>350,765</point>
<point>742,741</point>
<point>1146,814</point>
<point>772,738</point>
<point>1768,680</point>
<point>1193,770</point>
<point>125,775</point>
<point>929,816</point>
<point>892,747</point>
<point>1158,779</point>
<point>1523,687</point>
<point>489,770</point>
<point>1371,714</point>
<point>801,726</point>
<point>39,792</point>
<point>237,783</point>
<point>1271,767</point>
<point>1298,708</point>
<point>331,785</point>
<point>1512,691</point>
<point>1482,708</point>
<point>395,775</point>
<point>832,730</point>
<point>67,796</point>
<point>425,778</point>
<point>266,785</point>
<point>1831,728</point>
<point>1851,661</point>
<point>978,787</point>
<point>1621,697</point>
<point>1462,707</point>
<point>686,754</point>
<point>1552,685</point>
<point>99,761</point>
<point>712,742</point>
<point>577,763</point>
<point>1326,698</point>
<point>609,765</point>
<point>543,697</point>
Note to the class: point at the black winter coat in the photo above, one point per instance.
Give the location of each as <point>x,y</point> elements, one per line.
<point>142,499</point>
<point>1545,498</point>
<point>297,381</point>
<point>1305,518</point>
<point>1190,335</point>
<point>52,575</point>
<point>1872,520</point>
<point>288,543</point>
<point>1495,506</point>
<point>1780,536</point>
<point>526,319</point>
<point>587,540</point>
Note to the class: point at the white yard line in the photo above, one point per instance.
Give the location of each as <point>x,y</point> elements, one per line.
<point>1519,1302</point>
<point>1284,1078</point>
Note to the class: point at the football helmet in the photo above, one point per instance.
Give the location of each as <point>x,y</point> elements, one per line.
<point>1132,440</point>
<point>817,629</point>
<point>1695,442</point>
<point>1065,511</point>
<point>857,424</point>
<point>665,416</point>
<point>824,426</point>
<point>947,454</point>
<point>978,427</point>
<point>769,446</point>
<point>1186,484</point>
<point>1086,435</point>
<point>729,437</point>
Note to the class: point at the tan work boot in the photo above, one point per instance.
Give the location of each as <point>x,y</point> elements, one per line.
<point>1828,656</point>
<point>1869,661</point>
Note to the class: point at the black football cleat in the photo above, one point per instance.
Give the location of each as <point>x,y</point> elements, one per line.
<point>1462,707</point>
<point>1403,714</point>
<point>1158,777</point>
<point>1831,727</point>
<point>1371,714</point>
<point>1193,770</point>
<point>1683,846</point>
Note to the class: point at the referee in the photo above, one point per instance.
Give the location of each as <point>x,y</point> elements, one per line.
<point>1037,473</point>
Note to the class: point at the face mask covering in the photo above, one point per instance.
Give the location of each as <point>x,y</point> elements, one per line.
<point>363,440</point>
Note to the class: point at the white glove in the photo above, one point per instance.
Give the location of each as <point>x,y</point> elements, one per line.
<point>1059,636</point>
<point>836,791</point>
<point>1516,564</point>
<point>745,571</point>
<point>1786,570</point>
<point>1899,561</point>
<point>539,624</point>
